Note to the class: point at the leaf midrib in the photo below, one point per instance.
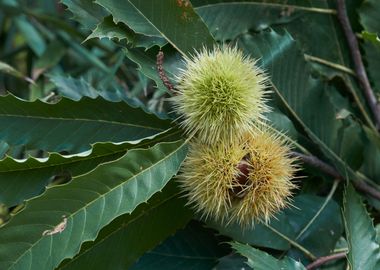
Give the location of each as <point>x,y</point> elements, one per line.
<point>82,120</point>
<point>154,26</point>
<point>275,5</point>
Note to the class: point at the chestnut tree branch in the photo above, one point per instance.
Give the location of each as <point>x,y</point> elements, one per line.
<point>330,170</point>
<point>358,62</point>
<point>322,260</point>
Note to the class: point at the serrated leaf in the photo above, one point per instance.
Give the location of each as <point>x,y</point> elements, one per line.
<point>192,248</point>
<point>72,126</point>
<point>73,88</point>
<point>125,239</point>
<point>23,179</point>
<point>260,260</point>
<point>76,89</point>
<point>86,12</point>
<point>176,21</point>
<point>377,229</point>
<point>88,203</point>
<point>232,262</point>
<point>364,250</point>
<point>125,12</point>
<point>107,28</point>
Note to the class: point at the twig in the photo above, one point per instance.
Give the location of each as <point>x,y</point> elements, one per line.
<point>310,255</point>
<point>358,62</point>
<point>330,170</point>
<point>365,188</point>
<point>161,72</point>
<point>318,164</point>
<point>329,64</point>
<point>322,260</point>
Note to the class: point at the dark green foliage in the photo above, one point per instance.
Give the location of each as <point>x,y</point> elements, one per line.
<point>90,146</point>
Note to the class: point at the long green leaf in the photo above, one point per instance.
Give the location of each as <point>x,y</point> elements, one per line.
<point>124,240</point>
<point>176,21</point>
<point>364,250</point>
<point>125,12</point>
<point>23,179</point>
<point>86,12</point>
<point>76,89</point>
<point>260,260</point>
<point>107,28</point>
<point>72,126</point>
<point>126,23</point>
<point>88,203</point>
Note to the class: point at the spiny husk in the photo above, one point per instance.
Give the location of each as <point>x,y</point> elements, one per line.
<point>245,181</point>
<point>269,187</point>
<point>220,94</point>
<point>207,178</point>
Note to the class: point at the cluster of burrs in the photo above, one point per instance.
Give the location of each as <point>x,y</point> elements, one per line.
<point>237,169</point>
